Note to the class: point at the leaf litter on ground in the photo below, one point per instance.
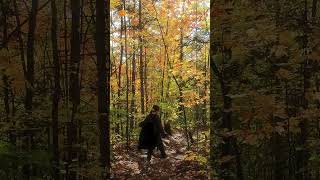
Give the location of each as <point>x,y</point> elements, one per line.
<point>132,164</point>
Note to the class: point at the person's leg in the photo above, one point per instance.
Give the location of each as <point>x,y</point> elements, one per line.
<point>150,150</point>
<point>162,151</point>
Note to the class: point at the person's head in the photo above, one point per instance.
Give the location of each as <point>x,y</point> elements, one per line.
<point>155,110</point>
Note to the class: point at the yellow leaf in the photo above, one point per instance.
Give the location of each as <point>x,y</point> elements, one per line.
<point>114,3</point>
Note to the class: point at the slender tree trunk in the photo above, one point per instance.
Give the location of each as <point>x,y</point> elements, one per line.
<point>20,40</point>
<point>141,59</point>
<point>181,33</point>
<point>29,76</point>
<point>229,146</point>
<point>182,113</point>
<point>127,76</point>
<point>12,97</point>
<point>75,55</point>
<point>30,56</point>
<point>74,89</point>
<point>103,65</point>
<point>119,79</point>
<point>181,106</point>
<point>4,6</point>
<point>204,94</point>
<point>56,90</point>
<point>133,80</point>
<point>145,79</point>
<point>21,49</point>
<point>314,8</point>
<point>163,74</point>
<point>6,90</point>
<point>276,139</point>
<point>303,156</point>
<point>66,54</point>
<point>133,89</point>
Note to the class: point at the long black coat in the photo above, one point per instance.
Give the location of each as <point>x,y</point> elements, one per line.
<point>151,132</point>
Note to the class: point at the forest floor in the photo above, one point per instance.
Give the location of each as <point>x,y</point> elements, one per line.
<point>179,164</point>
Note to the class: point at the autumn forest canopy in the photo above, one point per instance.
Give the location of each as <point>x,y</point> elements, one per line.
<point>237,83</point>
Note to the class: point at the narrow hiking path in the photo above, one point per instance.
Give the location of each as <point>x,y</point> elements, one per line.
<point>179,164</point>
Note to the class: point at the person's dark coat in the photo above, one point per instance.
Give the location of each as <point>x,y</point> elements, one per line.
<point>151,132</point>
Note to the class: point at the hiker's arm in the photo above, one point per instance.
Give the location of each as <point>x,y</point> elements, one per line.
<point>141,123</point>
<point>162,133</point>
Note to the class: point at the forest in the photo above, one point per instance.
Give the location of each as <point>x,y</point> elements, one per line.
<point>237,83</point>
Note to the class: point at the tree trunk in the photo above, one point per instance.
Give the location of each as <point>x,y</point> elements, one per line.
<point>303,155</point>
<point>75,55</point>
<point>56,90</point>
<point>74,89</point>
<point>127,76</point>
<point>20,40</point>
<point>66,59</point>
<point>4,6</point>
<point>30,56</point>
<point>119,80</point>
<point>103,83</point>
<point>314,8</point>
<point>133,89</point>
<point>141,59</point>
<point>145,79</point>
<point>29,76</point>
<point>6,90</point>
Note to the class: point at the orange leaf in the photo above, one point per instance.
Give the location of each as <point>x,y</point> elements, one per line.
<point>122,13</point>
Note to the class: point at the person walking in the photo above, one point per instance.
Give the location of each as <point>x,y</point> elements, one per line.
<point>151,133</point>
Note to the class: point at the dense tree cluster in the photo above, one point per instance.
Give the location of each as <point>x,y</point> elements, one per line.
<point>265,86</point>
<point>68,96</point>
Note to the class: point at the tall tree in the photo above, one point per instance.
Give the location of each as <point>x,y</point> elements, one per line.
<point>228,147</point>
<point>30,56</point>
<point>145,82</point>
<point>141,59</point>
<point>103,66</point>
<point>75,56</point>
<point>56,89</point>
<point>133,78</point>
<point>20,40</point>
<point>127,74</point>
<point>74,89</point>
<point>212,72</point>
<point>303,155</point>
<point>133,89</point>
<point>120,74</point>
<point>314,8</point>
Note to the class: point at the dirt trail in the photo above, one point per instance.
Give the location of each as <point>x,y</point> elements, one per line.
<point>133,164</point>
